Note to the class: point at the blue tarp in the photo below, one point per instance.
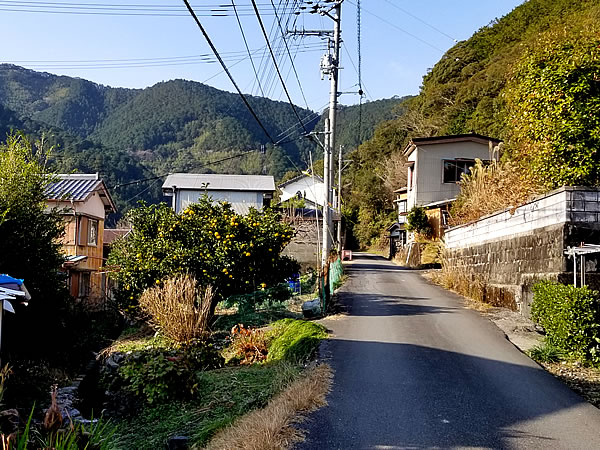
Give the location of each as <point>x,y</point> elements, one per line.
<point>7,279</point>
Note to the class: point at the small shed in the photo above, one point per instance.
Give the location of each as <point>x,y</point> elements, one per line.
<point>241,191</point>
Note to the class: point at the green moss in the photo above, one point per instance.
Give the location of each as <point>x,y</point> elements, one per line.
<point>295,340</point>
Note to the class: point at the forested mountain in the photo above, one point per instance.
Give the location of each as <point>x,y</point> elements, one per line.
<point>133,134</point>
<point>356,124</point>
<point>70,153</point>
<point>529,78</point>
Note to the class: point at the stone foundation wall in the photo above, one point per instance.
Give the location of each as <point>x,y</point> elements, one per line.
<point>511,250</point>
<point>303,247</point>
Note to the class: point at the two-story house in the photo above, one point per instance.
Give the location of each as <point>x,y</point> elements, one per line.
<point>241,191</point>
<point>84,202</point>
<point>435,166</point>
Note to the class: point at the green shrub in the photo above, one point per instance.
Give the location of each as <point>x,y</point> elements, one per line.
<point>158,374</point>
<point>570,317</point>
<point>546,352</point>
<point>418,222</point>
<point>295,340</point>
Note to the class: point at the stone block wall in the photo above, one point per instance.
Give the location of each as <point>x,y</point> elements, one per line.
<point>512,249</point>
<point>303,247</point>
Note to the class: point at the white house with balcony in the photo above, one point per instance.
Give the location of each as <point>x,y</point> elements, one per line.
<point>435,166</point>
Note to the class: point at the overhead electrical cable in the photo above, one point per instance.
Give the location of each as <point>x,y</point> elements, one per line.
<point>408,33</point>
<point>214,49</point>
<point>247,48</point>
<point>289,53</point>
<point>276,66</point>
<point>408,13</point>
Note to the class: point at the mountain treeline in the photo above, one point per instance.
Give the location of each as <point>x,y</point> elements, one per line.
<point>175,126</point>
<point>531,78</point>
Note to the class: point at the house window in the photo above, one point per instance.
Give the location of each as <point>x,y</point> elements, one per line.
<point>453,169</point>
<point>84,284</point>
<point>92,232</point>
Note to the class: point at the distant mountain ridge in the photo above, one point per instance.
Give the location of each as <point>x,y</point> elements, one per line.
<point>172,126</point>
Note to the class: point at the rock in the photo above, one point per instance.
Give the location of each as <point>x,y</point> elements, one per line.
<point>114,360</point>
<point>9,421</point>
<point>311,308</point>
<point>178,443</point>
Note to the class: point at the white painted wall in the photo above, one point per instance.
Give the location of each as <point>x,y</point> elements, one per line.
<point>428,185</point>
<point>93,206</point>
<point>567,204</point>
<point>241,201</point>
<point>312,189</point>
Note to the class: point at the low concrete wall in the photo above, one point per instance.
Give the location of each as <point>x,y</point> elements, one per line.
<point>303,247</point>
<point>512,249</point>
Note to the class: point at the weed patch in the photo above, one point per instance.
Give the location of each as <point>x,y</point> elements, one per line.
<point>223,395</point>
<point>295,340</point>
<point>272,428</point>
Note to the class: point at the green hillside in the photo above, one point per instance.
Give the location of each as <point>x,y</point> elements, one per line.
<point>529,78</point>
<point>174,126</point>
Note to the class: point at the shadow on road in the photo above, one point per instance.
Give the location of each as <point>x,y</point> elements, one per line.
<point>409,396</point>
<point>387,305</point>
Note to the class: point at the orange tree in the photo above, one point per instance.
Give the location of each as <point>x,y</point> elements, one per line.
<point>233,253</point>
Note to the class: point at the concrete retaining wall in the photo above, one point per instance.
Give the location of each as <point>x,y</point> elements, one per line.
<point>512,249</point>
<point>303,247</point>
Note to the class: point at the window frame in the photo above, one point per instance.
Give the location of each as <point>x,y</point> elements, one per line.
<point>92,223</point>
<point>455,161</point>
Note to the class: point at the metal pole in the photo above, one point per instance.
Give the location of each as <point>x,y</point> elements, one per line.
<point>326,188</point>
<point>582,270</point>
<point>339,202</point>
<point>333,94</point>
<point>574,269</point>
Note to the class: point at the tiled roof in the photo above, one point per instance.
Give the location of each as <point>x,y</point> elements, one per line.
<point>78,187</point>
<point>73,187</point>
<point>220,182</point>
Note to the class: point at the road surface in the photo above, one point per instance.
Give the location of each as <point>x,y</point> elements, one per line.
<point>415,369</point>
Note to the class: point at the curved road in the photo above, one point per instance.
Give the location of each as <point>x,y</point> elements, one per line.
<point>415,369</point>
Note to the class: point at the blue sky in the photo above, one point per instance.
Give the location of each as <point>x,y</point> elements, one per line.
<point>400,41</point>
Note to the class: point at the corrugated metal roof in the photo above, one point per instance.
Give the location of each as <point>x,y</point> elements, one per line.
<point>220,182</point>
<point>78,187</point>
<point>73,186</point>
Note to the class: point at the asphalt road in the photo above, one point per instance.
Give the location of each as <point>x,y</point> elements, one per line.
<point>415,369</point>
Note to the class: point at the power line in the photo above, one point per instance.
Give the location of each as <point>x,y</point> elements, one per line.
<point>420,20</point>
<point>213,48</point>
<point>275,63</point>
<point>288,52</point>
<point>247,48</point>
<point>360,91</point>
<point>414,36</point>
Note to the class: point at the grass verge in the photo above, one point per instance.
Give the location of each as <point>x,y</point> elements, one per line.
<point>272,427</point>
<point>223,395</point>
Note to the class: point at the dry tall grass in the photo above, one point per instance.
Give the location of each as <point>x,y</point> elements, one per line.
<point>491,188</point>
<point>179,308</point>
<point>457,277</point>
<point>271,428</point>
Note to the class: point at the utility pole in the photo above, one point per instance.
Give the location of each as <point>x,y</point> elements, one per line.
<point>330,65</point>
<point>327,188</point>
<point>333,96</point>
<point>339,201</point>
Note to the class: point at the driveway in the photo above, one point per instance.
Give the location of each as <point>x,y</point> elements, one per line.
<point>415,369</point>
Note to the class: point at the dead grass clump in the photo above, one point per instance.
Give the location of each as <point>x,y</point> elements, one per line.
<point>179,308</point>
<point>248,344</point>
<point>459,278</point>
<point>491,188</point>
<point>272,427</point>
